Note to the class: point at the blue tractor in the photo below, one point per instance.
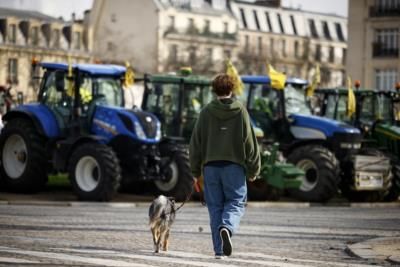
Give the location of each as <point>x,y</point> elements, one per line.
<point>79,126</point>
<point>328,151</point>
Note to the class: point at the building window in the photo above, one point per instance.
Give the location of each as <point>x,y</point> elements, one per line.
<point>113,18</point>
<point>13,70</point>
<point>110,46</point>
<point>339,32</point>
<point>171,23</point>
<point>209,54</point>
<point>56,38</point>
<point>246,43</point>
<point>386,8</point>
<point>313,29</point>
<point>386,43</point>
<point>293,24</point>
<point>259,45</point>
<point>296,49</point>
<point>283,47</point>
<point>225,27</point>
<point>272,46</point>
<point>35,36</point>
<point>256,19</point>
<point>227,54</point>
<point>318,52</point>
<point>344,56</point>
<point>206,26</point>
<point>192,56</point>
<point>12,34</point>
<point>331,54</point>
<point>173,53</point>
<point>270,29</point>
<point>192,28</point>
<point>243,18</point>
<point>281,24</point>
<point>325,27</point>
<point>385,79</point>
<point>77,40</point>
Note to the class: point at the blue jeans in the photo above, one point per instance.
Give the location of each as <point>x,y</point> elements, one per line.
<point>225,193</point>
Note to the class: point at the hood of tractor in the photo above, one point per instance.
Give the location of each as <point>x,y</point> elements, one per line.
<point>225,109</point>
<point>141,126</point>
<point>389,130</point>
<point>326,126</point>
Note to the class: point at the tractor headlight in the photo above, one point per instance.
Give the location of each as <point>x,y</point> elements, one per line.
<point>139,131</point>
<point>350,145</point>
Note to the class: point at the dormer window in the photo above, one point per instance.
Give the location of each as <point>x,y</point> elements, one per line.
<point>12,34</point>
<point>77,40</point>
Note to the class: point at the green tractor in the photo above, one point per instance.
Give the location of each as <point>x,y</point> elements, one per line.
<point>376,117</point>
<point>177,101</point>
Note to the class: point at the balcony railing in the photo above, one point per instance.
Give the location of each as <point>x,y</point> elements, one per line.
<point>377,11</point>
<point>379,50</point>
<point>197,33</point>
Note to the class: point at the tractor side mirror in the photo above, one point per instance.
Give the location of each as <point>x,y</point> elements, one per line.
<point>60,83</point>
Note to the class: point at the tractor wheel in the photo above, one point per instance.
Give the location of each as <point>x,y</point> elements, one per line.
<point>23,157</point>
<point>394,190</point>
<point>179,182</point>
<point>321,168</point>
<point>94,172</point>
<point>260,190</point>
<point>364,196</point>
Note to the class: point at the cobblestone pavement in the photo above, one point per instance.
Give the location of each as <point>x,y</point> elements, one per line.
<point>99,235</point>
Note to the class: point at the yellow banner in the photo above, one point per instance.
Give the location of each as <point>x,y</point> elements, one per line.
<point>278,79</point>
<point>232,71</point>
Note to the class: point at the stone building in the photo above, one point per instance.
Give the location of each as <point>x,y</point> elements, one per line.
<point>28,35</point>
<point>374,42</point>
<point>292,40</point>
<point>163,35</point>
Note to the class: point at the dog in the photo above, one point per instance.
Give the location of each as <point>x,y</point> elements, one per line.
<point>161,218</point>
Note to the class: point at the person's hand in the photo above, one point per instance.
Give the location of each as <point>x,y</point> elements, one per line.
<point>252,179</point>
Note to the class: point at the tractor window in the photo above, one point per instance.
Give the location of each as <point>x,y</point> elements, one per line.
<point>342,109</point>
<point>383,107</point>
<point>163,101</point>
<point>295,101</point>
<point>110,89</point>
<point>367,113</point>
<point>51,96</point>
<point>331,106</point>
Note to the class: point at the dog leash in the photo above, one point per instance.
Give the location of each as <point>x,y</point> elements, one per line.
<point>195,187</point>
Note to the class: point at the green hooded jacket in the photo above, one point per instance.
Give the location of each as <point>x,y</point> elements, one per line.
<point>223,132</point>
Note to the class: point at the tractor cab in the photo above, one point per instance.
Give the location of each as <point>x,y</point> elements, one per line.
<point>95,85</point>
<point>176,100</point>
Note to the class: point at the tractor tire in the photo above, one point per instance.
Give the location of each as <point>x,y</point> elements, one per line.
<point>394,191</point>
<point>94,172</point>
<point>321,181</point>
<point>23,157</point>
<point>260,190</point>
<point>180,179</point>
<point>364,196</point>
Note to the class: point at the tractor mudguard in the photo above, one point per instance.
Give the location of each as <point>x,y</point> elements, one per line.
<point>41,117</point>
<point>66,147</point>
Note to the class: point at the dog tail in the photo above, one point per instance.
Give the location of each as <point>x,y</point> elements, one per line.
<point>157,208</point>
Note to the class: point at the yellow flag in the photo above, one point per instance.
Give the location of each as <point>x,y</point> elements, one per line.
<point>70,80</point>
<point>278,79</point>
<point>351,99</point>
<point>232,71</point>
<point>315,81</point>
<point>129,76</point>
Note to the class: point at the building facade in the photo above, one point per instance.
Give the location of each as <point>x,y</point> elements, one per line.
<point>30,35</point>
<point>374,43</point>
<point>164,35</point>
<point>292,40</point>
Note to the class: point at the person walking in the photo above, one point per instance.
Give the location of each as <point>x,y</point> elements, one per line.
<point>223,148</point>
